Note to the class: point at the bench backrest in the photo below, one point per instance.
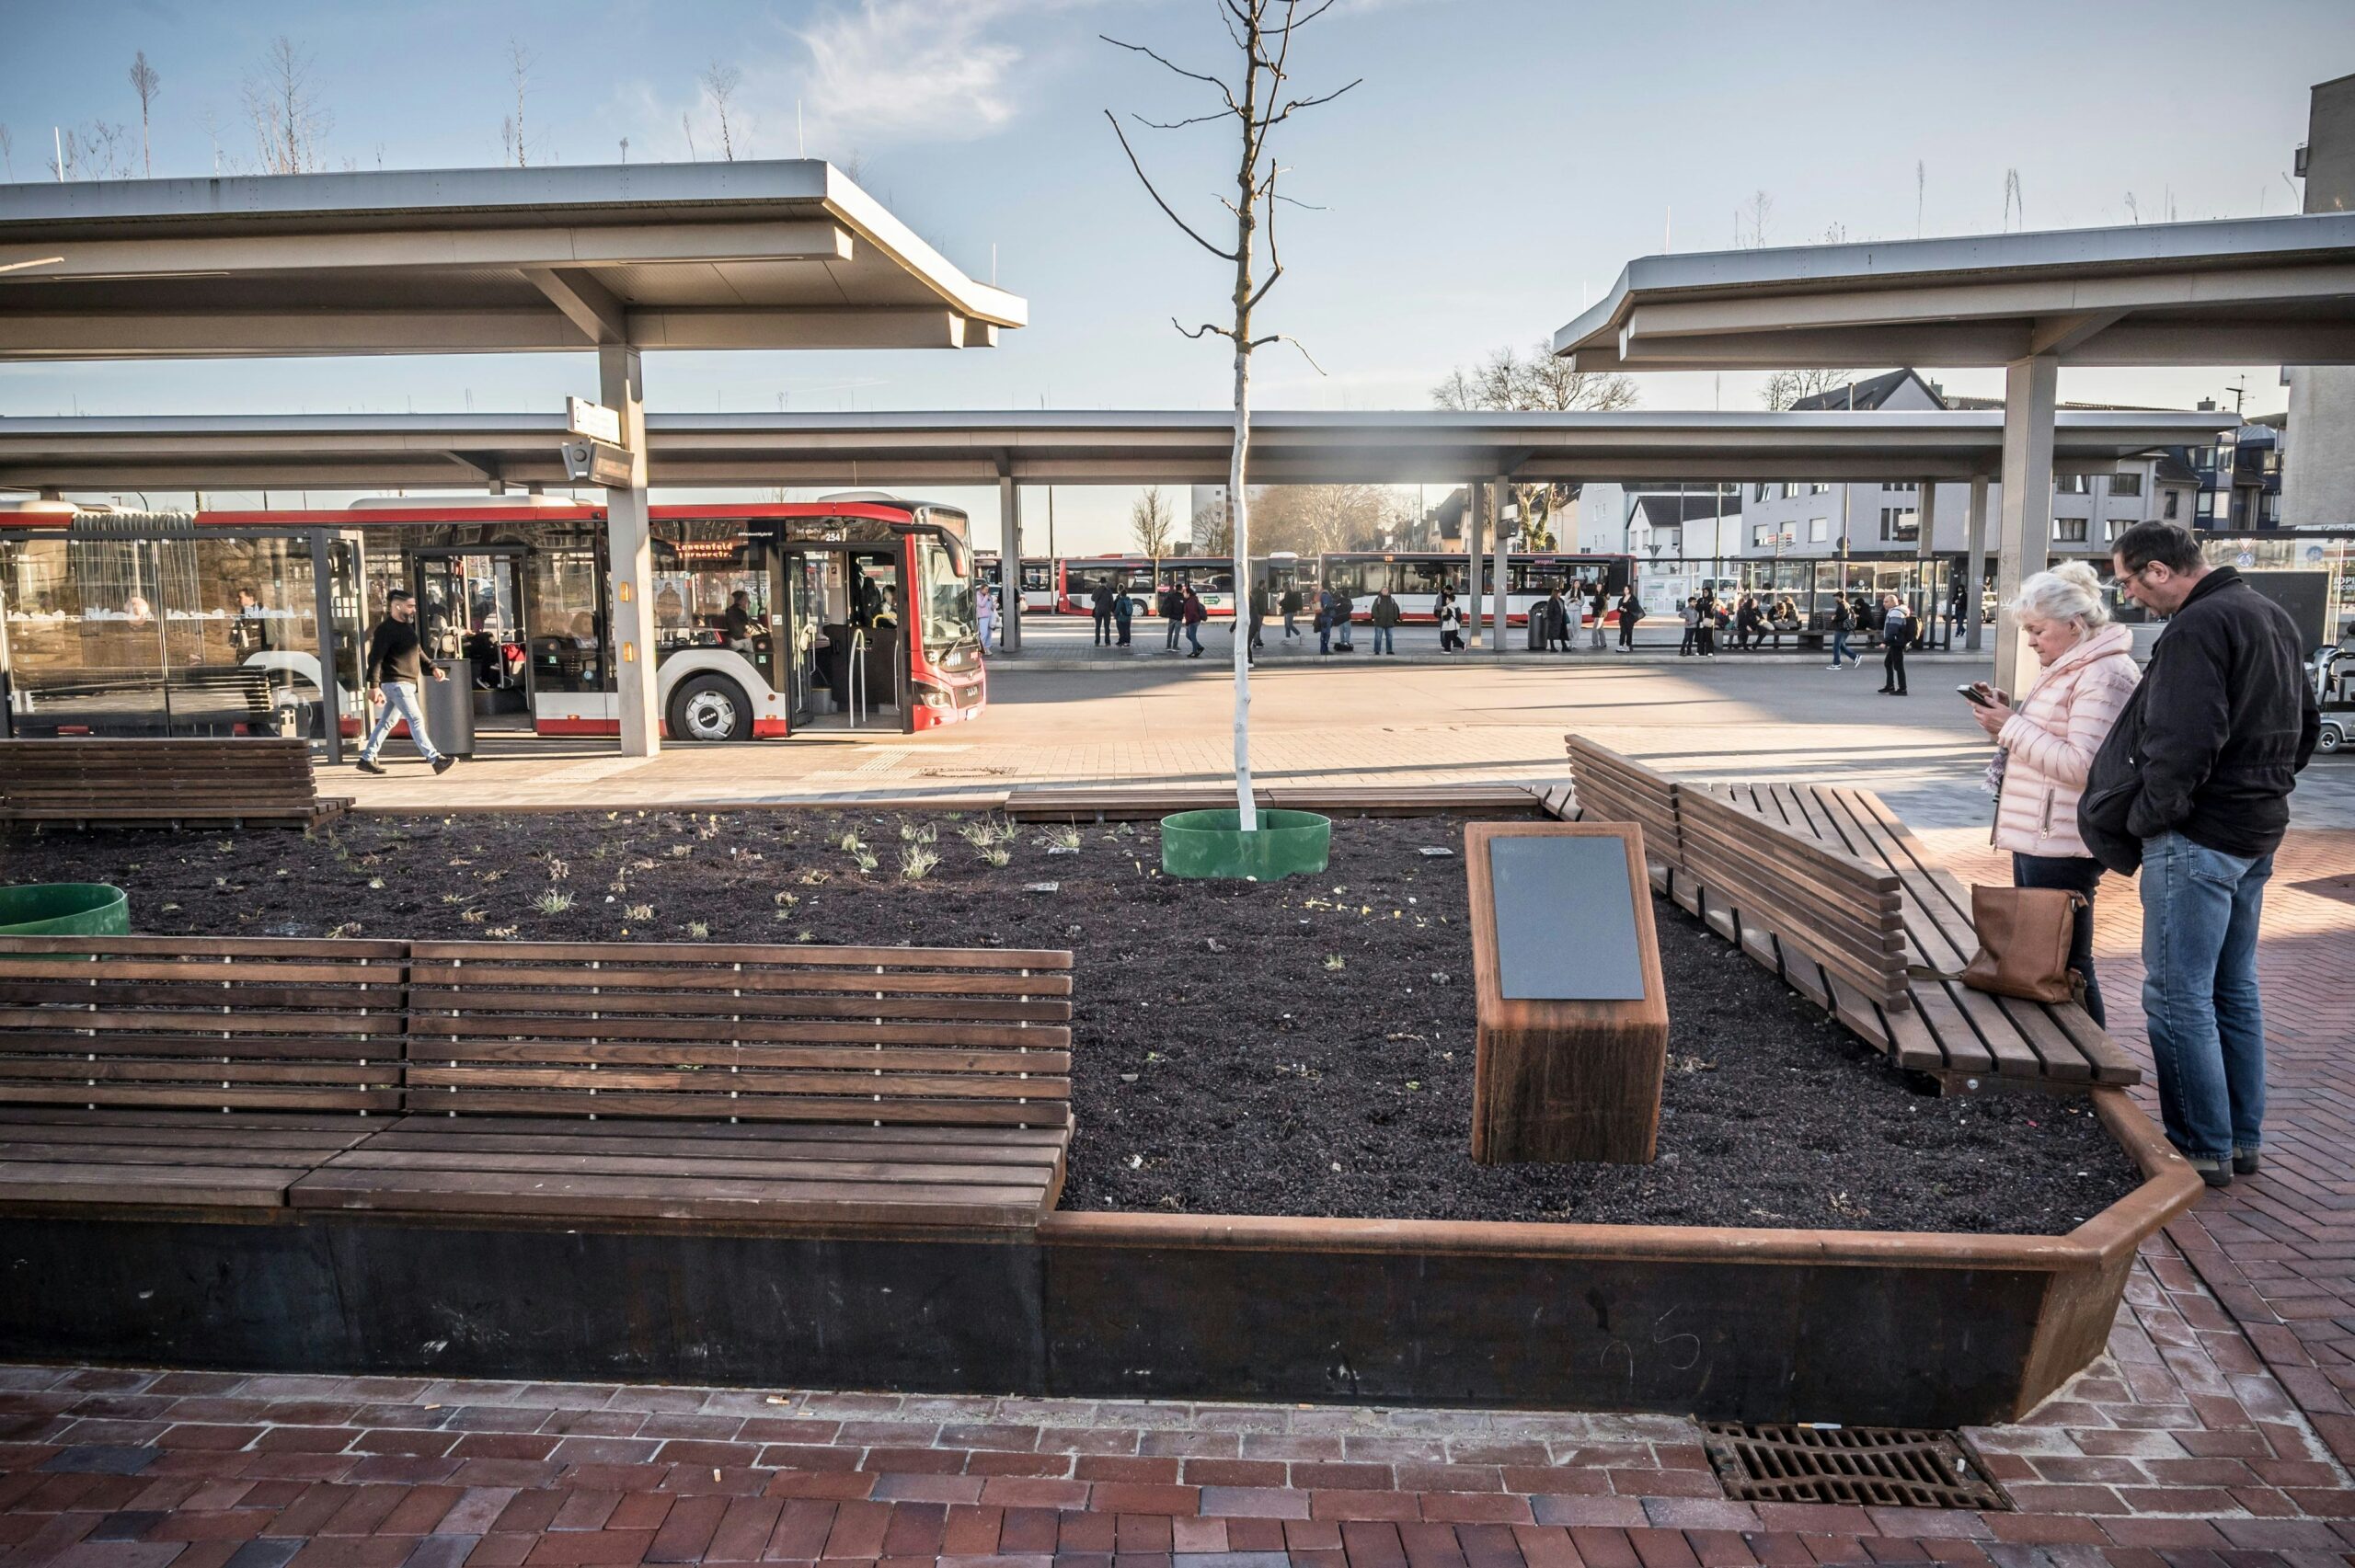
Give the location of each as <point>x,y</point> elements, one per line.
<point>233,1024</point>
<point>203,777</point>
<point>1613,788</point>
<point>1845,914</point>
<point>898,1036</point>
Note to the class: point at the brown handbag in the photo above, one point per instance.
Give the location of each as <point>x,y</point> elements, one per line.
<point>2024,937</point>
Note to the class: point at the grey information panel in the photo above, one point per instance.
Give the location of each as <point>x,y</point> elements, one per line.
<point>1565,919</point>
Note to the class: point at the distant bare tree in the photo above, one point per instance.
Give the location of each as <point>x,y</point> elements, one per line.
<point>719,83</point>
<point>8,154</point>
<point>146,81</point>
<point>1786,387</point>
<point>1214,527</point>
<point>1252,105</point>
<point>1153,520</point>
<point>625,149</point>
<point>519,73</point>
<point>688,126</point>
<point>1313,518</point>
<point>289,122</point>
<point>100,150</point>
<point>1541,380</point>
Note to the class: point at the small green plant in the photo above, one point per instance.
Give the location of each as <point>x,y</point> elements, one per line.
<point>981,835</point>
<point>681,851</point>
<point>638,912</point>
<point>698,929</point>
<point>349,928</point>
<point>376,884</point>
<point>505,932</point>
<point>997,855</point>
<point>472,916</point>
<point>453,898</point>
<point>1061,840</point>
<point>557,869</point>
<point>848,844</point>
<point>863,858</point>
<point>552,903</point>
<point>787,900</point>
<point>916,861</point>
<point>1335,961</point>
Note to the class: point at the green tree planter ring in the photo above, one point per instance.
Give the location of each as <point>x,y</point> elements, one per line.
<point>1213,844</point>
<point>65,909</point>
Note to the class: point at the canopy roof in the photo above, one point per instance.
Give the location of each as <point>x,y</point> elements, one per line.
<point>756,255</point>
<point>2258,291</point>
<point>370,451</point>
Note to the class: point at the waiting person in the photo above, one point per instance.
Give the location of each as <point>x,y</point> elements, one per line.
<point>1692,628</point>
<point>1630,612</point>
<point>1291,607</point>
<point>1749,623</point>
<point>737,624</point>
<point>1099,607</point>
<point>1194,614</point>
<point>1173,614</point>
<point>1599,607</point>
<point>394,673</point>
<point>1706,631</point>
<point>1451,623</point>
<point>2047,743</point>
<point>248,630</point>
<point>985,610</point>
<point>2195,782</point>
<point>1557,621</point>
<point>1259,606</point>
<point>1123,609</point>
<point>1896,636</point>
<point>1345,610</point>
<point>1386,617</point>
<point>1843,621</point>
<point>1323,625</point>
<point>1785,621</point>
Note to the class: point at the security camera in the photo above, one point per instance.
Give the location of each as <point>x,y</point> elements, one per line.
<point>579,458</point>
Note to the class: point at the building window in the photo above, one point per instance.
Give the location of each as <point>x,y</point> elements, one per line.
<point>2168,509</point>
<point>1897,522</point>
<point>2119,525</point>
<point>1819,488</point>
<point>1760,536</point>
<point>1819,529</point>
<point>1905,489</point>
<point>2068,531</point>
<point>1761,494</point>
<point>2126,484</point>
<point>2070,484</point>
<point>2207,508</point>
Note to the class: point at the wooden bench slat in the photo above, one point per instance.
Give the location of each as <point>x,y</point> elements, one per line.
<point>493,976</point>
<point>719,1086</point>
<point>755,1166</point>
<point>939,1112</point>
<point>425,1026</point>
<point>591,1196</point>
<point>212,1186</point>
<point>647,952</point>
<point>855,1059</point>
<point>244,1096</point>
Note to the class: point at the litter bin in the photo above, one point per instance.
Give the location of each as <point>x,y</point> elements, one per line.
<point>1539,619</point>
<point>65,909</point>
<point>450,708</point>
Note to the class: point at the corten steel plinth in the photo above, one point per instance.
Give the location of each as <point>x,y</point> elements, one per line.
<point>1572,1014</point>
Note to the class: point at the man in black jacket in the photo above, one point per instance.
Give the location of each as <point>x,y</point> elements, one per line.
<point>397,669</point>
<point>2198,772</point>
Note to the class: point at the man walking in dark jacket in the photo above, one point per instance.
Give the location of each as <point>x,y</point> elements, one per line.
<point>396,672</point>
<point>2196,779</point>
<point>1099,605</point>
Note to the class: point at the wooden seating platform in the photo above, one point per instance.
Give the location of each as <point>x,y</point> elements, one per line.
<point>1143,804</point>
<point>553,1081</point>
<point>1786,909</point>
<point>255,780</point>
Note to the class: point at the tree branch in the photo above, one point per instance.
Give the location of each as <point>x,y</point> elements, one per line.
<point>1188,228</point>
<point>1202,331</point>
<point>1166,65</point>
<point>1287,338</point>
<point>1181,124</point>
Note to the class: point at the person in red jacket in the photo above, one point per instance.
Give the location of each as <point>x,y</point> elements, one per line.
<point>1193,614</point>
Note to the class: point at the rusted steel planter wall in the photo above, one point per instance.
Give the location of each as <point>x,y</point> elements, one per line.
<point>1857,1327</point>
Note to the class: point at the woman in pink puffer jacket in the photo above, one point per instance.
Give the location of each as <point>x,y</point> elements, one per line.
<point>2050,740</point>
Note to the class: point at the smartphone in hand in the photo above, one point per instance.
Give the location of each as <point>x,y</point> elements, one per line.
<point>1974,695</point>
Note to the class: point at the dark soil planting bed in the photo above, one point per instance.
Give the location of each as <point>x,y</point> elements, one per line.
<point>1294,1049</point>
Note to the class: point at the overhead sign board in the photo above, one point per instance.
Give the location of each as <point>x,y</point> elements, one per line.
<point>594,420</point>
<point>595,462</point>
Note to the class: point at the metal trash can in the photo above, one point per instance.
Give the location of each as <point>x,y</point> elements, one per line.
<point>65,909</point>
<point>1540,618</point>
<point>449,707</point>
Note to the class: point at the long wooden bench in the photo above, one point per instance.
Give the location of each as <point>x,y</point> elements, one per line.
<point>1740,863</point>
<point>253,781</point>
<point>561,1081</point>
<point>1114,803</point>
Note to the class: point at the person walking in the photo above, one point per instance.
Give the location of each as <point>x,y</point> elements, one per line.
<point>1259,619</point>
<point>985,610</point>
<point>1451,623</point>
<point>1841,621</point>
<point>1386,623</point>
<point>2047,743</point>
<point>1896,636</point>
<point>1193,614</point>
<point>1600,607</point>
<point>1630,612</point>
<point>394,673</point>
<point>1173,614</point>
<point>2194,784</point>
<point>1124,609</point>
<point>1291,606</point>
<point>1692,628</point>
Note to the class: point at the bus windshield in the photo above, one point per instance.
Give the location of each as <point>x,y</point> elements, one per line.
<point>946,598</point>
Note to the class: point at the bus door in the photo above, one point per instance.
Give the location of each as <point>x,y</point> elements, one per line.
<point>470,608</point>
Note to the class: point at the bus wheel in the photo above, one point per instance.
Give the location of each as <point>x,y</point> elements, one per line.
<point>710,707</point>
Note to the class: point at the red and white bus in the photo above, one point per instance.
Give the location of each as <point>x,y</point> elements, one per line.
<point>853,611</point>
<point>1141,576</point>
<point>1038,580</point>
<point>1416,578</point>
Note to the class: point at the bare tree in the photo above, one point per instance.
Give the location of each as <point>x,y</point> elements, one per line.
<point>1754,214</point>
<point>288,120</point>
<point>100,150</point>
<point>146,81</point>
<point>625,149</point>
<point>688,126</point>
<point>1541,380</point>
<point>719,83</point>
<point>519,73</point>
<point>1313,518</point>
<point>1215,526</point>
<point>8,154</point>
<point>1153,520</point>
<point>1253,105</point>
<point>1786,387</point>
<point>2013,200</point>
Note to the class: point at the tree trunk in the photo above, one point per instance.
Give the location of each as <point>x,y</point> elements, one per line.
<point>1239,509</point>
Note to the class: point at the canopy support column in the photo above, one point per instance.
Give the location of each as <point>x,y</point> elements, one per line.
<point>1502,585</point>
<point>2031,389</point>
<point>1474,506</point>
<point>1925,523</point>
<point>1009,571</point>
<point>629,559</point>
<point>1974,591</point>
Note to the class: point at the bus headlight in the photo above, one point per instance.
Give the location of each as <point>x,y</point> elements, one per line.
<point>933,696</point>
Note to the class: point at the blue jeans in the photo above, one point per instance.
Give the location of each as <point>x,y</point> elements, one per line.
<point>1840,648</point>
<point>2206,1025</point>
<point>400,701</point>
<point>1194,635</point>
<point>1324,637</point>
<point>1385,639</point>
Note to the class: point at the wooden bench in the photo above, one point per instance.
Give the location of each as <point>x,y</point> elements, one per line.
<point>147,1070</point>
<point>252,781</point>
<point>905,1085</point>
<point>1148,803</point>
<point>1958,1035</point>
<point>1605,785</point>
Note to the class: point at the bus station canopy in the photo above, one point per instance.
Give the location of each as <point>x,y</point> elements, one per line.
<point>2255,290</point>
<point>853,451</point>
<point>754,255</point>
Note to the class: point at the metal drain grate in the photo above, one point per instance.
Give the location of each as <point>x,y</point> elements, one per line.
<point>1879,1466</point>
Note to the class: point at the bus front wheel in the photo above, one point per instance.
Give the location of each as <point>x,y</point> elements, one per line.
<point>710,707</point>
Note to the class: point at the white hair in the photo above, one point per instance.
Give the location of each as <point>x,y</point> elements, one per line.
<point>2068,592</point>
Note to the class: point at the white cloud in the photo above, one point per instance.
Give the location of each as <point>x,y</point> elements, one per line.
<point>894,71</point>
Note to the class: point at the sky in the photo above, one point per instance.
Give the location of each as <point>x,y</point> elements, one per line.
<point>1496,165</point>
